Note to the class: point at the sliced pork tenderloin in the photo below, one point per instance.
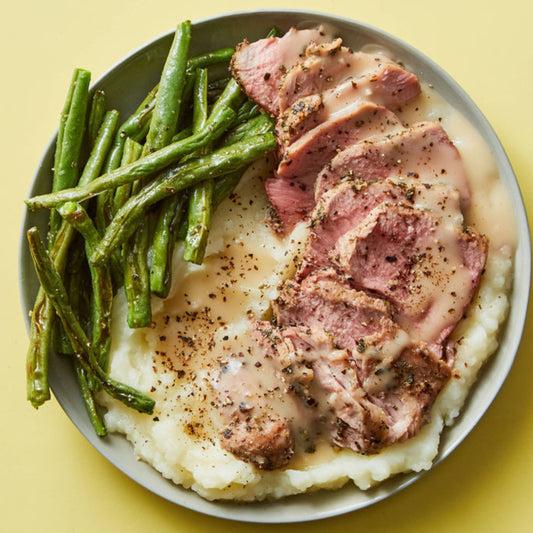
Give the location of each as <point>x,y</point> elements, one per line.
<point>388,85</point>
<point>324,377</point>
<point>323,300</point>
<point>256,405</point>
<point>346,205</point>
<point>423,152</point>
<point>291,191</point>
<point>403,379</point>
<point>364,400</point>
<point>354,421</point>
<point>265,442</point>
<point>357,346</point>
<point>429,271</point>
<point>259,66</point>
<point>324,67</point>
<point>345,413</point>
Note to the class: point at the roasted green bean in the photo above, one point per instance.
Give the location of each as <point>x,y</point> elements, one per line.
<point>53,287</point>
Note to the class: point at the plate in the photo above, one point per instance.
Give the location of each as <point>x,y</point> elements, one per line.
<point>126,84</point>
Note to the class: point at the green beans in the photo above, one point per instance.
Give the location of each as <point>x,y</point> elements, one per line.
<point>132,152</point>
<point>222,55</point>
<point>137,278</point>
<point>178,178</point>
<point>164,237</point>
<point>162,128</point>
<point>200,113</point>
<point>215,88</point>
<point>183,134</point>
<point>101,148</point>
<point>247,111</point>
<point>102,286</point>
<point>274,32</point>
<point>88,400</point>
<point>171,210</point>
<point>77,282</point>
<point>224,186</point>
<point>53,287</point>
<point>199,222</point>
<point>218,122</point>
<point>211,58</point>
<point>255,126</point>
<point>170,93</point>
<point>70,138</point>
<point>232,97</point>
<point>62,122</point>
<point>199,216</point>
<point>96,117</point>
<point>136,127</point>
<point>43,313</point>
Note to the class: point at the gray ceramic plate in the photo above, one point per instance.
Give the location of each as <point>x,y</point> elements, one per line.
<point>126,84</point>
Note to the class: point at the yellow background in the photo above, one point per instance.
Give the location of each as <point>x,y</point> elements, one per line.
<point>51,478</point>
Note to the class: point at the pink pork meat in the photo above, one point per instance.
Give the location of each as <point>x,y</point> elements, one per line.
<point>259,66</point>
<point>388,85</point>
<point>423,152</point>
<point>346,205</point>
<point>429,271</point>
<point>291,191</point>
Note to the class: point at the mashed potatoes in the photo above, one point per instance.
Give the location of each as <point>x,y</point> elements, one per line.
<point>205,318</point>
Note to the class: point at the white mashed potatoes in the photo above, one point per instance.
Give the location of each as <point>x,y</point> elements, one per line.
<point>205,318</point>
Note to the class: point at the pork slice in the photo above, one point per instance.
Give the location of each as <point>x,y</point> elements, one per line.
<point>423,152</point>
<point>420,375</point>
<point>403,379</point>
<point>355,421</point>
<point>265,442</point>
<point>351,420</point>
<point>291,349</point>
<point>346,205</point>
<point>380,394</point>
<point>291,191</point>
<point>256,407</point>
<point>388,85</point>
<point>259,66</point>
<point>323,300</point>
<point>302,116</point>
<point>323,68</point>
<point>325,379</point>
<point>361,381</point>
<point>429,271</point>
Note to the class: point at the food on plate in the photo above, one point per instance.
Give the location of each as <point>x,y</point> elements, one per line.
<point>348,292</point>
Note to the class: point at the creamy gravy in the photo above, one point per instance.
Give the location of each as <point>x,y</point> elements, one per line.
<point>491,211</point>
<point>327,69</point>
<point>438,283</point>
<point>301,40</point>
<point>201,330</point>
<point>251,379</point>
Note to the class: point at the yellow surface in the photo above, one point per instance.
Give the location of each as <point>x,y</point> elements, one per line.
<point>51,478</point>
